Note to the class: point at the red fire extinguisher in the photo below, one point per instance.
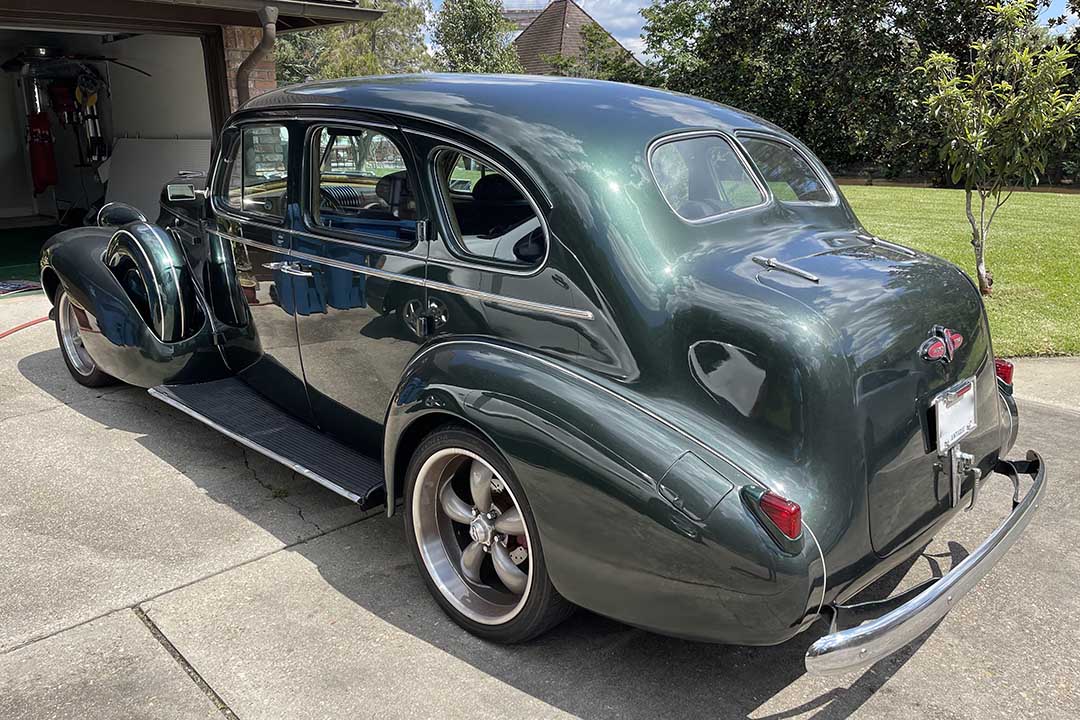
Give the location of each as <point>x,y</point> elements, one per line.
<point>42,157</point>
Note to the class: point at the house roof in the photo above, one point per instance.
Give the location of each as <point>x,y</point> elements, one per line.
<point>556,31</point>
<point>175,15</point>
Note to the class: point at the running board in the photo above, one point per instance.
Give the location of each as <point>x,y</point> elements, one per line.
<point>233,408</point>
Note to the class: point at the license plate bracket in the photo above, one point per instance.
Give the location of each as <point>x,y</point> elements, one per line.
<point>954,412</point>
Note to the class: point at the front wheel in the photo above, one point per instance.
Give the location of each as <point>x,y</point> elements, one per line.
<point>69,332</point>
<point>475,539</point>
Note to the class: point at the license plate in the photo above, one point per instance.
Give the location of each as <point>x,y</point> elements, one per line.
<point>955,413</point>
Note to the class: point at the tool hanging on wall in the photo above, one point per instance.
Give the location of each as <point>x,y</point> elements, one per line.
<point>89,85</point>
<point>74,87</point>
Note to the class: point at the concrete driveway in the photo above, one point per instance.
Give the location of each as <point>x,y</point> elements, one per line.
<point>152,568</point>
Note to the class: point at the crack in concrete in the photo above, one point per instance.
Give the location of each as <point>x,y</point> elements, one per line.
<point>182,586</point>
<point>182,661</point>
<point>274,492</point>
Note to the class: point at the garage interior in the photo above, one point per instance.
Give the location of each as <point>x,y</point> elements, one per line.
<point>108,103</point>
<point>90,118</point>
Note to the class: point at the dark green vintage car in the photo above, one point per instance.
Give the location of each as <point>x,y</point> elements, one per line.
<point>607,346</point>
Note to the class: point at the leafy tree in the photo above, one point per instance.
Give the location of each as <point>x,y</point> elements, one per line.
<point>392,44</point>
<point>601,58</point>
<point>1003,121</point>
<point>837,73</point>
<point>296,55</point>
<point>472,36</point>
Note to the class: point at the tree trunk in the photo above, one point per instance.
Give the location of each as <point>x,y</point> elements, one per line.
<point>978,242</point>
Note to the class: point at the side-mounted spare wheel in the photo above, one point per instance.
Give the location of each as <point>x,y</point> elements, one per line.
<point>475,540</point>
<point>149,264</point>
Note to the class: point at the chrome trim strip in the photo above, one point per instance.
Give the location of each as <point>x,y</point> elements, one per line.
<point>824,569</point>
<point>247,442</point>
<point>866,644</point>
<point>481,295</point>
<point>740,152</point>
<point>248,241</point>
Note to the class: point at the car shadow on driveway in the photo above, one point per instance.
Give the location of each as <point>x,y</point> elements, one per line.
<point>589,666</point>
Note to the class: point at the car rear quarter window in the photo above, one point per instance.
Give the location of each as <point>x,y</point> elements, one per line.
<point>490,216</point>
<point>790,176</point>
<point>703,177</point>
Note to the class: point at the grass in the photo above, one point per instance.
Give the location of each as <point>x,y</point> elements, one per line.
<point>1033,252</point>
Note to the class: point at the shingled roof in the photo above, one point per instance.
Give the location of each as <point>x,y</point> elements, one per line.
<point>556,31</point>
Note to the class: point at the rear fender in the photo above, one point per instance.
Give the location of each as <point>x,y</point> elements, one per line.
<point>117,335</point>
<point>590,463</point>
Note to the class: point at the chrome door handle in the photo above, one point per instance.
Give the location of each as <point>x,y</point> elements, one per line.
<point>289,268</point>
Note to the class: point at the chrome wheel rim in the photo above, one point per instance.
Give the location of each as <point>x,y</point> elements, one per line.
<point>71,338</point>
<point>472,536</point>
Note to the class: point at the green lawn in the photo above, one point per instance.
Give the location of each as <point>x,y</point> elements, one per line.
<point>1034,253</point>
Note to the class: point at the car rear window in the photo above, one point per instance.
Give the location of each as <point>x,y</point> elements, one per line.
<point>703,176</point>
<point>788,173</point>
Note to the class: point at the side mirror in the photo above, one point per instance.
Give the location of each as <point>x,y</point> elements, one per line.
<point>182,192</point>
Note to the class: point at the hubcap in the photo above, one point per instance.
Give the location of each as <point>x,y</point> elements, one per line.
<point>476,550</point>
<point>71,339</point>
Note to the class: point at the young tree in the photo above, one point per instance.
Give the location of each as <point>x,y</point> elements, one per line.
<point>1003,121</point>
<point>472,36</point>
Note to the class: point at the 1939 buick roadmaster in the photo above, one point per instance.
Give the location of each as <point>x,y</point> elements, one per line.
<point>606,346</point>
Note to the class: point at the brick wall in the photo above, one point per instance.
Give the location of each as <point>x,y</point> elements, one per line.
<point>239,42</point>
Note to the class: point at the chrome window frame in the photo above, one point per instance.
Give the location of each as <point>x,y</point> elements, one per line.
<point>815,166</point>
<point>216,179</point>
<point>312,229</point>
<point>739,152</point>
<point>468,259</point>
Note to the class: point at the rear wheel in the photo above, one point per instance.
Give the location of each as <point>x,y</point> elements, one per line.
<point>475,540</point>
<point>69,332</point>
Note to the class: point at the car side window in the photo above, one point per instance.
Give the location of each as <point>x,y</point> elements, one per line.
<point>361,184</point>
<point>789,174</point>
<point>489,214</point>
<point>258,171</point>
<point>702,176</point>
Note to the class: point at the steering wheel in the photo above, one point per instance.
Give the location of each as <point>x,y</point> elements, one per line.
<point>326,197</point>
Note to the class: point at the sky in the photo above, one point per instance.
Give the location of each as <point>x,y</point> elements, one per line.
<point>623,20</point>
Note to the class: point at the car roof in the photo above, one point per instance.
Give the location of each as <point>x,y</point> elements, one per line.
<point>574,137</point>
<point>522,113</point>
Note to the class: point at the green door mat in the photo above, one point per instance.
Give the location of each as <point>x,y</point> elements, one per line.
<point>20,250</point>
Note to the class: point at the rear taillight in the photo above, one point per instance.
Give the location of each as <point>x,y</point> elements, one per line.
<point>1004,370</point>
<point>784,514</point>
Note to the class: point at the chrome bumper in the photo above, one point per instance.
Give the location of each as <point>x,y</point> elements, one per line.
<point>865,644</point>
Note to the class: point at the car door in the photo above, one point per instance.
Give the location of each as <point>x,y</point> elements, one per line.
<point>250,277</point>
<point>490,268</point>
<point>359,235</point>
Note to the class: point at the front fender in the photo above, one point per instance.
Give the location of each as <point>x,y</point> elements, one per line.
<point>118,337</point>
<point>590,464</point>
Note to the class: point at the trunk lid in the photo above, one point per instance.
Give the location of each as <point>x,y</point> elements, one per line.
<point>883,303</point>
